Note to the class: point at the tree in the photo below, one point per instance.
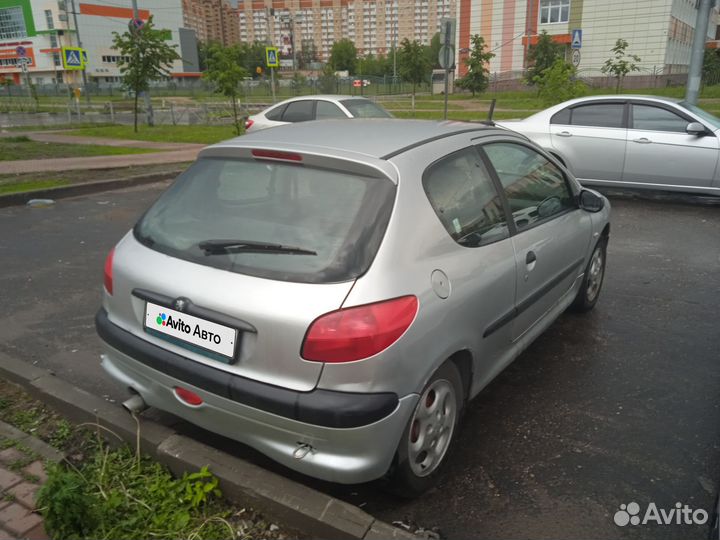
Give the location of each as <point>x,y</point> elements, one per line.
<point>558,83</point>
<point>343,56</point>
<point>432,51</point>
<point>413,64</point>
<point>328,80</point>
<point>145,56</point>
<point>476,80</point>
<point>711,67</point>
<point>621,64</point>
<point>308,53</point>
<point>227,74</point>
<point>542,55</point>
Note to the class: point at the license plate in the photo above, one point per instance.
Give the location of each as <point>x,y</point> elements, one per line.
<point>194,330</point>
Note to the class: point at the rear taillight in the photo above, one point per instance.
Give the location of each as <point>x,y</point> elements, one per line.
<point>249,123</point>
<point>358,332</point>
<point>109,271</point>
<point>188,396</point>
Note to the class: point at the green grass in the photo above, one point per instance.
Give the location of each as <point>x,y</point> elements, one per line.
<point>20,187</point>
<point>15,148</point>
<point>55,127</point>
<point>180,134</point>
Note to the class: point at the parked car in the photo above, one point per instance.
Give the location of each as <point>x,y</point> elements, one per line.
<point>631,141</point>
<point>305,108</point>
<point>333,293</point>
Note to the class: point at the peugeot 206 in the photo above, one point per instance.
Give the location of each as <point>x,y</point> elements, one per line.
<point>333,293</point>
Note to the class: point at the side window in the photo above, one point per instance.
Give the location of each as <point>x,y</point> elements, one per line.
<point>465,200</point>
<point>561,117</point>
<point>598,115</point>
<point>652,118</point>
<point>325,109</point>
<point>535,188</point>
<point>298,111</point>
<point>276,113</point>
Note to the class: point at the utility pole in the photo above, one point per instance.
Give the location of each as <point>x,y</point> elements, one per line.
<point>148,104</point>
<point>77,34</point>
<point>698,52</point>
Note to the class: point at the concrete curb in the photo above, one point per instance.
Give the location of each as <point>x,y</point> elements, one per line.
<point>295,505</point>
<point>13,199</point>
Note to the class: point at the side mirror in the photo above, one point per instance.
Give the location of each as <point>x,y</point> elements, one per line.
<point>590,201</point>
<point>695,128</point>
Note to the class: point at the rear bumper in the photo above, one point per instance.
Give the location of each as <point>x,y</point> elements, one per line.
<point>340,454</point>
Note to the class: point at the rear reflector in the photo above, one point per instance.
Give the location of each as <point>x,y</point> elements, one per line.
<point>275,154</point>
<point>249,123</point>
<point>359,332</point>
<point>108,278</point>
<point>191,398</point>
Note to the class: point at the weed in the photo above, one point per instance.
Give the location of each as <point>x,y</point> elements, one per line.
<point>63,432</point>
<point>111,496</point>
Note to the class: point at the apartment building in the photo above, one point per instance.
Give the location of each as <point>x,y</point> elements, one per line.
<point>659,32</point>
<point>373,25</point>
<point>42,28</point>
<point>212,20</point>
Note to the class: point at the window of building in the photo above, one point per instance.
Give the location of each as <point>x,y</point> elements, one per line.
<point>53,41</point>
<point>12,23</point>
<point>554,11</point>
<point>56,60</point>
<point>49,19</point>
<point>465,200</point>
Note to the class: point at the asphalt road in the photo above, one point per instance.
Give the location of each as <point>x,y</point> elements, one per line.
<point>616,406</point>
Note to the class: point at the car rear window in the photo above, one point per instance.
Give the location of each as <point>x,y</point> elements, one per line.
<point>341,217</point>
<point>364,108</point>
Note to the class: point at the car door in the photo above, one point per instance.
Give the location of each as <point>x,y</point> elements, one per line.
<point>468,204</point>
<point>660,151</point>
<point>551,232</point>
<point>591,139</point>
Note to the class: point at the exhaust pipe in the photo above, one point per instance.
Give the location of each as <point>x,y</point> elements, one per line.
<point>135,404</point>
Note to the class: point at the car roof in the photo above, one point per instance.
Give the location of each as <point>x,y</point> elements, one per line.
<point>321,97</point>
<point>621,97</point>
<point>379,138</point>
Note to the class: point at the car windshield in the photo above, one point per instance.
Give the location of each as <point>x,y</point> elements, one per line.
<point>364,108</point>
<point>711,119</point>
<point>275,220</point>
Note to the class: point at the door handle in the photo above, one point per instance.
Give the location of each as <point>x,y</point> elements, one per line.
<point>642,140</point>
<point>564,134</point>
<point>530,257</point>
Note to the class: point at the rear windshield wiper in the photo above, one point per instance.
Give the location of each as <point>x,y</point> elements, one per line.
<point>219,247</point>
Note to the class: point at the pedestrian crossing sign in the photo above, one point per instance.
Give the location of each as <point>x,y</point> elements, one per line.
<point>73,58</point>
<point>576,41</point>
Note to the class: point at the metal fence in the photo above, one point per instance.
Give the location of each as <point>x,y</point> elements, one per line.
<point>284,87</point>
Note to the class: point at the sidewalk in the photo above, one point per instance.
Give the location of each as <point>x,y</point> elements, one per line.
<point>174,153</point>
<point>22,472</point>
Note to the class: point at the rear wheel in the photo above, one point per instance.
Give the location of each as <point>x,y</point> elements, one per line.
<point>429,434</point>
<point>592,282</point>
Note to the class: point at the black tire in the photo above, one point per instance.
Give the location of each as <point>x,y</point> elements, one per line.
<point>406,478</point>
<point>589,292</point>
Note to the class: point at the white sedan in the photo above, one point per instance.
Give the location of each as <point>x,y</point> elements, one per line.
<point>320,107</point>
<point>631,141</point>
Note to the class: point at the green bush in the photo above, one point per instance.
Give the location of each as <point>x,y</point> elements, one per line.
<point>116,495</point>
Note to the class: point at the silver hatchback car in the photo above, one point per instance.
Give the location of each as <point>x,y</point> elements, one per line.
<point>333,293</point>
